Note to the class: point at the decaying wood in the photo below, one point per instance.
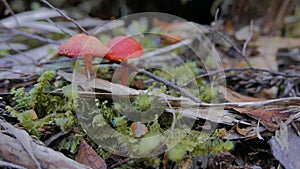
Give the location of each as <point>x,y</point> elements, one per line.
<point>12,150</point>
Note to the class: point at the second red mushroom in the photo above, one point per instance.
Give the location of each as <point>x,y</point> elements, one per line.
<point>123,48</point>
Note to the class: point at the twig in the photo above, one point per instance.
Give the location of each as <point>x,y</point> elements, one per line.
<point>248,38</point>
<point>214,29</point>
<point>16,50</point>
<point>65,16</point>
<point>23,138</point>
<point>55,24</point>
<point>289,101</point>
<point>234,47</point>
<point>56,136</point>
<point>10,165</point>
<point>273,72</point>
<point>120,162</point>
<point>164,81</point>
<point>257,131</point>
<point>32,36</point>
<point>11,11</point>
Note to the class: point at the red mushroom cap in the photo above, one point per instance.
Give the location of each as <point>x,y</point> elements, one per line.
<point>86,46</point>
<point>123,48</point>
<point>82,44</point>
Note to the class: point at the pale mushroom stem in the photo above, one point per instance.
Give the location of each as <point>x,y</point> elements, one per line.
<point>124,70</point>
<point>88,64</point>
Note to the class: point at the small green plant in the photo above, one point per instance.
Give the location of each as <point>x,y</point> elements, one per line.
<point>199,144</point>
<point>38,108</point>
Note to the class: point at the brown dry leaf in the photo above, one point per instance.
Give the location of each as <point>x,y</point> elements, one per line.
<point>33,114</point>
<point>233,96</point>
<point>267,116</point>
<point>88,156</point>
<point>251,133</point>
<point>138,129</point>
<point>240,131</point>
<point>222,132</point>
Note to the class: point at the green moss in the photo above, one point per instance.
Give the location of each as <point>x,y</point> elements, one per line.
<point>50,109</point>
<point>176,153</point>
<point>70,143</point>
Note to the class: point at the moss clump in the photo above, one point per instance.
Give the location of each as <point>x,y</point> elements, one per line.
<point>38,108</point>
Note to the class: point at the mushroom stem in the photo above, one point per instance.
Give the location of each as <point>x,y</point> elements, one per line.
<point>124,70</point>
<point>88,59</point>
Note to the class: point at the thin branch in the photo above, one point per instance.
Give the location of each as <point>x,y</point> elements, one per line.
<point>16,50</point>
<point>214,29</point>
<point>55,24</point>
<point>216,15</point>
<point>257,131</point>
<point>10,165</point>
<point>289,101</point>
<point>11,12</point>
<point>120,162</point>
<point>164,81</point>
<point>56,136</point>
<point>65,16</point>
<point>273,72</point>
<point>32,36</point>
<point>234,47</point>
<point>248,38</point>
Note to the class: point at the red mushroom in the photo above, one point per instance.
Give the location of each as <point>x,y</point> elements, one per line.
<point>123,48</point>
<point>86,46</point>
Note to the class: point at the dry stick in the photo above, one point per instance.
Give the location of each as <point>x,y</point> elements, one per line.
<point>288,101</point>
<point>248,38</point>
<point>235,48</point>
<point>16,50</point>
<point>65,16</point>
<point>56,136</point>
<point>11,12</point>
<point>164,81</point>
<point>120,162</point>
<point>273,72</point>
<point>214,29</point>
<point>10,165</point>
<point>55,24</point>
<point>32,36</point>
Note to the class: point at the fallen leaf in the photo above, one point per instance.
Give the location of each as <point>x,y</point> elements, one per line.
<point>267,116</point>
<point>240,131</point>
<point>88,156</point>
<point>251,133</point>
<point>222,132</point>
<point>33,114</point>
<point>138,129</point>
<point>287,151</point>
